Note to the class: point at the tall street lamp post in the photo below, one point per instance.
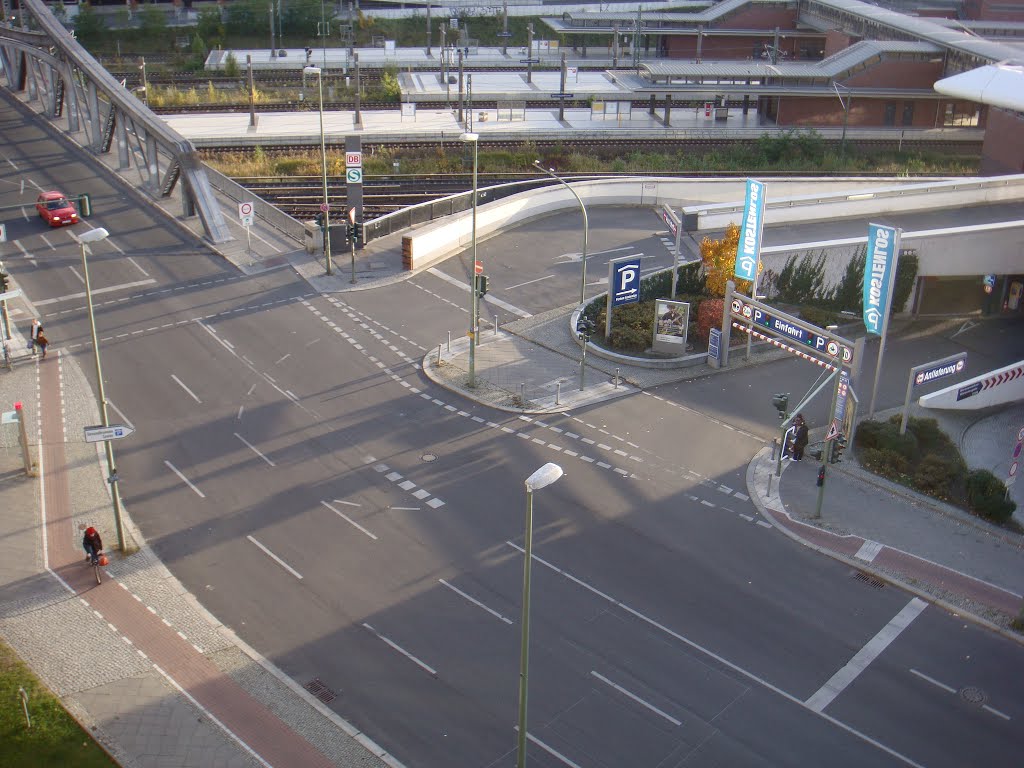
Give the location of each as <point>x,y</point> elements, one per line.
<point>542,478</point>
<point>323,163</point>
<point>474,306</point>
<point>586,225</point>
<point>94,236</point>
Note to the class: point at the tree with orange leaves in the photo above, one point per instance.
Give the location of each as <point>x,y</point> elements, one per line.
<point>719,257</point>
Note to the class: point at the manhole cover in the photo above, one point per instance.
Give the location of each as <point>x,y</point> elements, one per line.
<point>428,457</point>
<point>973,695</point>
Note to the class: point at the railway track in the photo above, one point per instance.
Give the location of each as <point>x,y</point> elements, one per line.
<point>301,196</point>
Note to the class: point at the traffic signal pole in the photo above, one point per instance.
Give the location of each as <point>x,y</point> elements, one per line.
<point>826,452</point>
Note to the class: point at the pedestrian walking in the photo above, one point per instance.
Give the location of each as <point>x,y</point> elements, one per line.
<point>800,438</point>
<point>42,342</point>
<point>33,333</point>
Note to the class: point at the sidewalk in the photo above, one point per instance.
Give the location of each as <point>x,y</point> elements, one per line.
<point>143,667</point>
<point>882,529</point>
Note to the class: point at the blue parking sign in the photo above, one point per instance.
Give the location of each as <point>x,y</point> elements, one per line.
<point>624,280</point>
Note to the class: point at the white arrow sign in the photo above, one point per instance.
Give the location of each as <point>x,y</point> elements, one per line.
<point>100,434</point>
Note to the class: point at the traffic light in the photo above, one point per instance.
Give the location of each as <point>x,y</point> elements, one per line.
<point>837,449</point>
<point>4,282</point>
<point>481,283</point>
<point>319,219</point>
<point>355,231</point>
<point>821,476</point>
<point>781,403</point>
<point>584,328</point>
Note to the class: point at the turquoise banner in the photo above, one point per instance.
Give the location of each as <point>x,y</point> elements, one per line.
<point>878,269</point>
<point>748,250</point>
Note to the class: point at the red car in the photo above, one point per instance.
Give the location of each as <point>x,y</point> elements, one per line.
<point>56,210</point>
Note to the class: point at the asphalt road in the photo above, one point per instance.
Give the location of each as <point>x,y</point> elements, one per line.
<point>297,472</point>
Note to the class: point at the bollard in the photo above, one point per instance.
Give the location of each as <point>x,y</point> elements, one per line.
<point>522,393</point>
<point>769,485</point>
<point>616,378</point>
<point>438,355</point>
<point>449,341</point>
<point>775,446</point>
<point>23,695</point>
<point>495,325</point>
<point>558,393</point>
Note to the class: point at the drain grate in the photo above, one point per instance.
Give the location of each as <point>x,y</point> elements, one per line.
<point>868,579</point>
<point>973,695</point>
<point>321,691</point>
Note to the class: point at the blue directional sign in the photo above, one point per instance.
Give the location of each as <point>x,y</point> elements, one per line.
<point>940,370</point>
<point>504,34</point>
<point>815,341</point>
<point>624,280</point>
<point>529,61</point>
<point>563,95</point>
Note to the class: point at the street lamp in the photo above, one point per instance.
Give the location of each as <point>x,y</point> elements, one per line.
<point>94,236</point>
<point>323,161</point>
<point>846,113</point>
<point>542,478</point>
<point>586,226</point>
<point>474,301</point>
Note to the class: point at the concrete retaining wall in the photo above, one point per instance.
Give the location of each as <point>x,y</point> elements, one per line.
<point>433,243</point>
<point>783,205</point>
<point>999,387</point>
<point>270,213</point>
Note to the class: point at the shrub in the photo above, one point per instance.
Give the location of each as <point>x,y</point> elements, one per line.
<point>231,68</point>
<point>885,435</point>
<point>803,281</point>
<point>885,462</point>
<point>938,476</point>
<point>709,315</point>
<point>849,292</point>
<point>986,496</point>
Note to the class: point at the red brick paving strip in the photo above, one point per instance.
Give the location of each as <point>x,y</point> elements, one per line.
<point>251,722</point>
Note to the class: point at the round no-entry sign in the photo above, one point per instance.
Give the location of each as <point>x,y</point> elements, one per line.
<point>245,209</point>
<point>325,207</point>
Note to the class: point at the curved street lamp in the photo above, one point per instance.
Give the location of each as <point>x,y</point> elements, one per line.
<point>323,163</point>
<point>84,239</point>
<point>542,478</point>
<point>586,225</point>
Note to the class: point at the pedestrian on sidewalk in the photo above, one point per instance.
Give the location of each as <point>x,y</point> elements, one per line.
<point>41,341</point>
<point>800,438</point>
<point>32,336</point>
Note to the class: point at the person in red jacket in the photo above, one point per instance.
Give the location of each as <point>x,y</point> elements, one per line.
<point>92,544</point>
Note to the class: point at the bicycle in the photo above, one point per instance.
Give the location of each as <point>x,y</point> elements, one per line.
<point>95,562</point>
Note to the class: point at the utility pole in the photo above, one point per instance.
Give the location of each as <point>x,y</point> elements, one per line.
<point>636,38</point>
<point>504,28</point>
<point>428,28</point>
<point>461,102</point>
<point>561,91</point>
<point>529,53</point>
<point>252,92</point>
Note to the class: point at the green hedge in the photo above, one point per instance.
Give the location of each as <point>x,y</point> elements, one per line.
<point>926,460</point>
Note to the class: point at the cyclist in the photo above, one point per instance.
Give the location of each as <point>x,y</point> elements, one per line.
<point>92,544</point>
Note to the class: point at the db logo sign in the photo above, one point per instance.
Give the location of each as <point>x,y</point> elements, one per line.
<point>353,159</point>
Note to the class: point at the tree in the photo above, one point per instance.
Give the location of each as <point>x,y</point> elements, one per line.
<point>210,27</point>
<point>153,22</point>
<point>719,257</point>
<point>89,26</point>
<point>231,66</point>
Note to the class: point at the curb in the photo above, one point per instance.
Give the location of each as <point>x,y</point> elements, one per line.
<point>770,515</point>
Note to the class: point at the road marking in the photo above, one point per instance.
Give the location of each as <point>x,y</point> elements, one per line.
<point>46,240</point>
<point>253,448</point>
<point>124,418</point>
<point>725,662</point>
<point>251,390</point>
<point>868,550</point>
<point>282,359</point>
<point>240,409</point>
<point>549,750</point>
<point>874,647</point>
<point>405,509</point>
<point>933,681</point>
<point>475,602</point>
<point>348,520</point>
<point>464,285</point>
<point>635,698</point>
<point>276,559</point>
<point>347,503</point>
<point>182,385</point>
<point>95,292</point>
<point>133,261</point>
<point>184,479</point>
<point>402,651</point>
<point>528,282</point>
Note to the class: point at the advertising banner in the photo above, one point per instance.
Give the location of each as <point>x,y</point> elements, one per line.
<point>748,250</point>
<point>881,259</point>
<point>671,319</point>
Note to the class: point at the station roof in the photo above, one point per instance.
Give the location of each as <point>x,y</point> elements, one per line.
<point>828,68</point>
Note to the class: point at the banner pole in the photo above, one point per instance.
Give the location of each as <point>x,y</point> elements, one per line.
<point>885,319</point>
